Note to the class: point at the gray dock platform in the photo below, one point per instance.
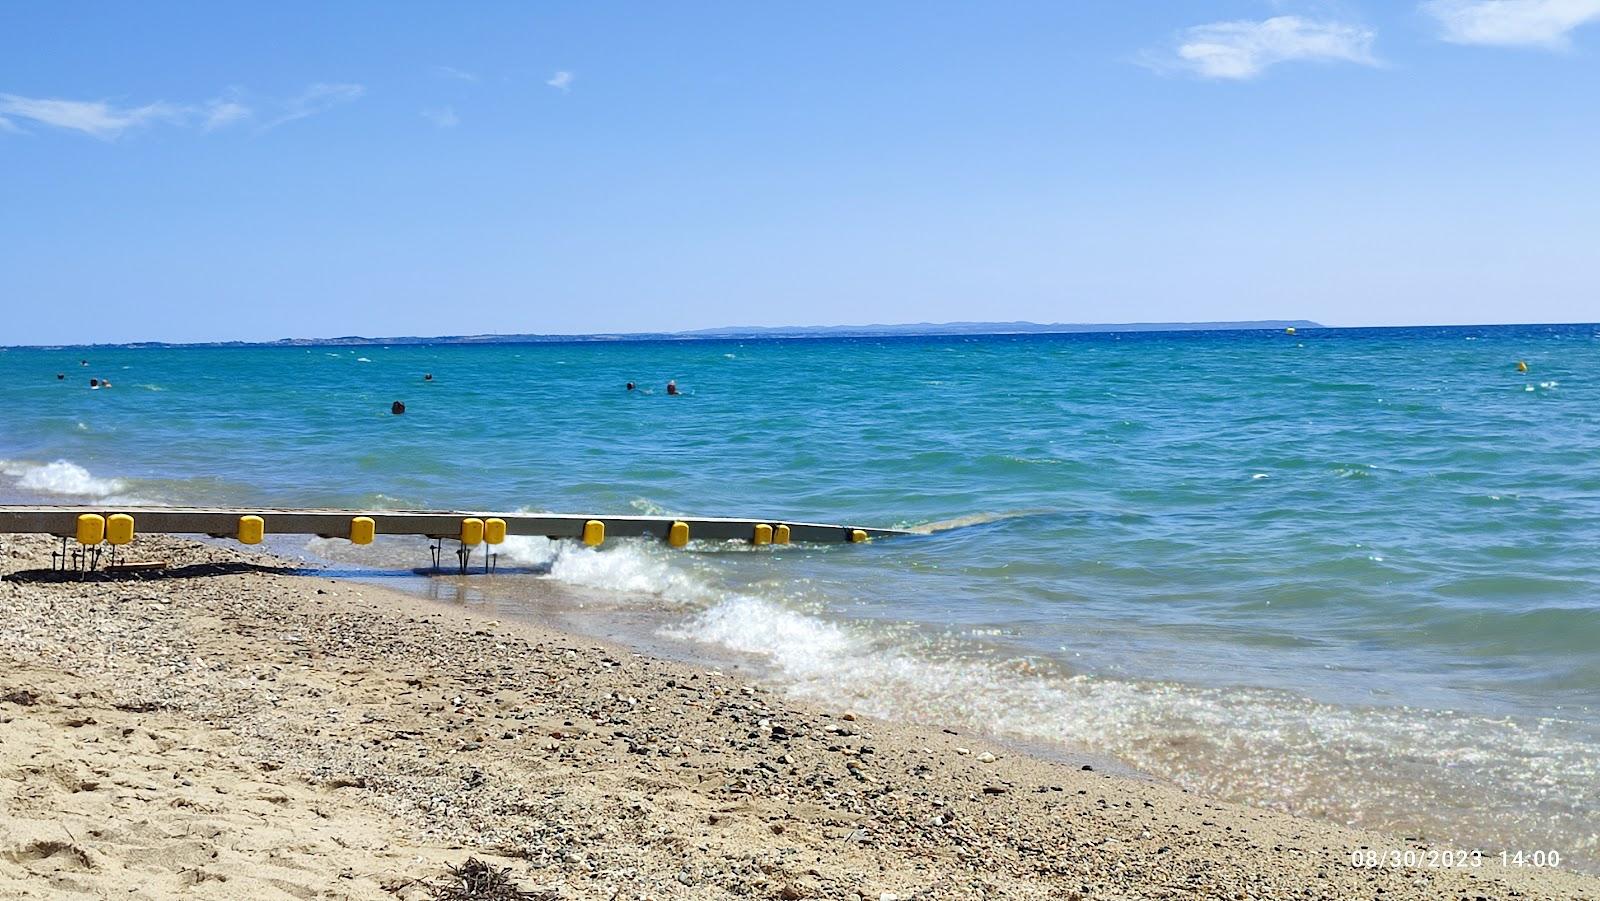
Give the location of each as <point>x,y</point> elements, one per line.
<point>62,521</point>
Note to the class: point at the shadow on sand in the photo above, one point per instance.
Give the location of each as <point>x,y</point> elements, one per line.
<point>153,574</point>
<point>149,573</point>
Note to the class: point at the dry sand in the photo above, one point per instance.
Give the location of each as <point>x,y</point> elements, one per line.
<point>237,731</point>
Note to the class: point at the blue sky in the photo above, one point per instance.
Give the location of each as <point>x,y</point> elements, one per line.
<point>213,171</point>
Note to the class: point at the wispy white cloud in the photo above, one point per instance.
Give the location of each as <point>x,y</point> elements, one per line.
<point>453,72</point>
<point>318,98</point>
<point>1512,23</point>
<point>1244,49</point>
<point>442,118</point>
<point>97,118</point>
<point>107,121</point>
<point>222,113</point>
<point>561,81</point>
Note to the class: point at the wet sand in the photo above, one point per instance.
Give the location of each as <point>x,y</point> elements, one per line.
<point>245,732</point>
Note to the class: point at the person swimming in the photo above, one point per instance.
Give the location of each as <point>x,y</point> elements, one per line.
<point>94,384</point>
<point>630,386</point>
<point>672,387</point>
<point>427,377</point>
<point>397,408</point>
<point>61,376</point>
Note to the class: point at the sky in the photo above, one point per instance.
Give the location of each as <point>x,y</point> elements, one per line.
<point>203,171</point>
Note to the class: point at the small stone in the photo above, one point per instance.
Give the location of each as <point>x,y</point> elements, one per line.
<point>963,751</point>
<point>986,757</point>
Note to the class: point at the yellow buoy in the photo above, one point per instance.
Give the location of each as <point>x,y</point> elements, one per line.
<point>251,529</point>
<point>780,535</point>
<point>678,534</point>
<point>362,530</point>
<point>594,532</point>
<point>471,531</point>
<point>494,530</point>
<point>91,528</point>
<point>858,535</point>
<point>1289,330</point>
<point>763,534</point>
<point>119,528</point>
<point>1522,366</point>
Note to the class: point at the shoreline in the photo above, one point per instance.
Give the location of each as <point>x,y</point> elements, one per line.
<point>246,732</point>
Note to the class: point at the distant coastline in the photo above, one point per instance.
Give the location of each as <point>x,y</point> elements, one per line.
<point>917,329</point>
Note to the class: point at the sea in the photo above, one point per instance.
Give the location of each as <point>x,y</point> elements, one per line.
<point>1349,573</point>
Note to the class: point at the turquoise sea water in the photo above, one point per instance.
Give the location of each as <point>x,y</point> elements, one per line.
<point>1351,573</point>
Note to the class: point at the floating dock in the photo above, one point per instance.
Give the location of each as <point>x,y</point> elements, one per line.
<point>250,525</point>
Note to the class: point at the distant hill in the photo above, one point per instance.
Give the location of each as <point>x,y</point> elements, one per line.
<point>989,328</point>
<point>798,331</point>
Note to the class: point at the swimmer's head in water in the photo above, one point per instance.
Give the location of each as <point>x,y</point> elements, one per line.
<point>630,386</point>
<point>672,386</point>
<point>427,377</point>
<point>61,375</point>
<point>94,383</point>
<point>397,408</point>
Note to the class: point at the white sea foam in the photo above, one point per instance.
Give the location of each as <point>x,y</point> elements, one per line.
<point>61,477</point>
<point>649,507</point>
<point>628,568</point>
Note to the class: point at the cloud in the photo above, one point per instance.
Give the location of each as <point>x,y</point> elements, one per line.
<point>442,118</point>
<point>106,121</point>
<point>222,113</point>
<point>561,81</point>
<point>318,98</point>
<point>97,118</point>
<point>1244,49</point>
<point>1512,23</point>
<point>453,72</point>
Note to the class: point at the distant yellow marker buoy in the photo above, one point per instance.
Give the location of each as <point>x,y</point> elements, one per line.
<point>1522,366</point>
<point>858,535</point>
<point>1289,330</point>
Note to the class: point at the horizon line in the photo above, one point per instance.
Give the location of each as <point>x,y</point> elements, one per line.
<point>797,332</point>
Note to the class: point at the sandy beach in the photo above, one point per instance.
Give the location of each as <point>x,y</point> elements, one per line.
<point>237,730</point>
